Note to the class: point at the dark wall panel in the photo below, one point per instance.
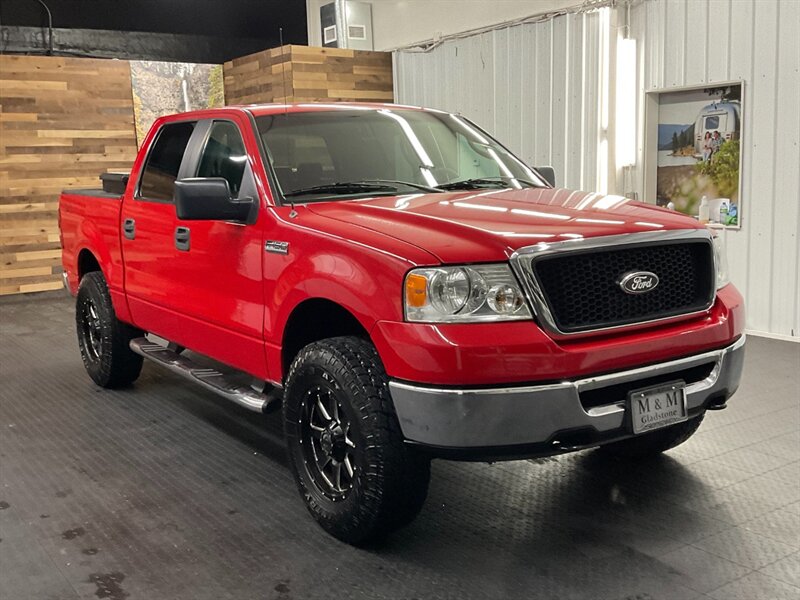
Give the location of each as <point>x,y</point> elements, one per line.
<point>98,43</point>
<point>215,18</point>
<point>171,30</point>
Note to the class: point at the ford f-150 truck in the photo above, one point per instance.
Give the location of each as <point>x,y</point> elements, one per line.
<point>404,288</point>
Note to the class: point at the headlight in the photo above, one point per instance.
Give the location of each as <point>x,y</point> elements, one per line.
<point>721,262</point>
<point>464,294</point>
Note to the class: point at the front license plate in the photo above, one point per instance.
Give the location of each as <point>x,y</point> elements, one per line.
<point>656,407</point>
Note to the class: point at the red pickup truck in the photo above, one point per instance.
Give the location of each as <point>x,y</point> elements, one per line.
<point>403,287</point>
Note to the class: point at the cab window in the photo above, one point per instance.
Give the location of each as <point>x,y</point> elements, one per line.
<point>224,155</point>
<point>164,160</point>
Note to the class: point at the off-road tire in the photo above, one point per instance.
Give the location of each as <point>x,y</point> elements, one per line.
<point>103,339</point>
<point>389,481</point>
<point>651,444</point>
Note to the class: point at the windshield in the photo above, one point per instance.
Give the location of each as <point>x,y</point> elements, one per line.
<point>344,153</point>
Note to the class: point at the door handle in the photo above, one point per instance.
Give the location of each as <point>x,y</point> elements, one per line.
<point>182,238</point>
<point>129,229</point>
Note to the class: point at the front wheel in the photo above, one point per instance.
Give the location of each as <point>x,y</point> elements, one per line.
<point>354,472</point>
<point>103,339</point>
<point>651,444</point>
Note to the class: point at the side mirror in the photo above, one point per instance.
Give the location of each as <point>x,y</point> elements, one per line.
<point>548,174</point>
<point>209,199</point>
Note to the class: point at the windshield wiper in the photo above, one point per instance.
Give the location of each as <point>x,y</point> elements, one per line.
<point>478,182</point>
<point>416,186</point>
<point>353,187</point>
<point>358,187</point>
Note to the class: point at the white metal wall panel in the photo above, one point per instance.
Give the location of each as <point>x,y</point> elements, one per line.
<point>536,87</point>
<point>694,42</point>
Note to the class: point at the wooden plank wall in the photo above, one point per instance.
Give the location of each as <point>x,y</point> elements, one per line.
<point>63,121</point>
<point>310,75</point>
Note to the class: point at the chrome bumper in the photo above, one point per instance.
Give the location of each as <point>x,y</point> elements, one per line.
<point>539,414</point>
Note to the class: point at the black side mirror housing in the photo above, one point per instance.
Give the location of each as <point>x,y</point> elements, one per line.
<point>548,174</point>
<point>209,199</point>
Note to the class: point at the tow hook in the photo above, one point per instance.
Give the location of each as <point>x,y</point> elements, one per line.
<point>718,404</point>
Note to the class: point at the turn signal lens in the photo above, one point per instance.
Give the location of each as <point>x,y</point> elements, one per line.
<point>416,290</point>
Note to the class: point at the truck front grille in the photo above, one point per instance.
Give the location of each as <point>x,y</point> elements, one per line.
<point>580,290</point>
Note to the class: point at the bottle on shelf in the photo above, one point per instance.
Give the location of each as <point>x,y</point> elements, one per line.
<point>703,218</point>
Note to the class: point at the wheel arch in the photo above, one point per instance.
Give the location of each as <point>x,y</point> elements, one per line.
<point>87,263</point>
<point>316,319</point>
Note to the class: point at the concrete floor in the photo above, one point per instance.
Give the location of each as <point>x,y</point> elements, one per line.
<point>164,491</point>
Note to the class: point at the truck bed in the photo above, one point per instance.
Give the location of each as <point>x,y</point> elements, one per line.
<point>90,221</point>
<point>93,193</point>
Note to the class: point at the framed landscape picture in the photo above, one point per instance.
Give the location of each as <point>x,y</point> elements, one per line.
<point>163,88</point>
<point>698,152</point>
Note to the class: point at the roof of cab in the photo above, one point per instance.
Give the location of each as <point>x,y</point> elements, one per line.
<point>271,109</point>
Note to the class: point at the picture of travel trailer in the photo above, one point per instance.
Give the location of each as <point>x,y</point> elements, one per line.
<point>724,116</point>
<point>698,153</point>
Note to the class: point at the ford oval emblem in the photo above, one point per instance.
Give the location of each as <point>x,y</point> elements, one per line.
<point>638,282</point>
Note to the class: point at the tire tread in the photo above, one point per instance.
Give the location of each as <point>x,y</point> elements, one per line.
<point>120,366</point>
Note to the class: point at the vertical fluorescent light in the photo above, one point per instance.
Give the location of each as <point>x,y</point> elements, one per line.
<point>626,102</point>
<point>605,52</point>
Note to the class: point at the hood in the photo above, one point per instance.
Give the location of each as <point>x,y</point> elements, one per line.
<point>488,226</point>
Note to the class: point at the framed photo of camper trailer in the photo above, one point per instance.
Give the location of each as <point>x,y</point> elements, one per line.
<point>693,151</point>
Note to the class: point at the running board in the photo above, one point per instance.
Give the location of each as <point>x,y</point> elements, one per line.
<point>210,379</point>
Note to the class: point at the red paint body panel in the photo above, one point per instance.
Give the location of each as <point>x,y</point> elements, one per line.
<point>91,224</point>
<point>487,226</point>
<point>231,300</point>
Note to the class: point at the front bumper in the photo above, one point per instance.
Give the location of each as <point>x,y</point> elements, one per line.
<point>557,417</point>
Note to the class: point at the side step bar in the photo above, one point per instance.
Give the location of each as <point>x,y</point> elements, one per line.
<point>210,379</point>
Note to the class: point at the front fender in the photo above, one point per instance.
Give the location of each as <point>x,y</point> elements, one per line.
<point>357,269</point>
<point>365,288</point>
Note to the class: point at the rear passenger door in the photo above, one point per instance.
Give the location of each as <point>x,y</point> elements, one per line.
<point>148,226</point>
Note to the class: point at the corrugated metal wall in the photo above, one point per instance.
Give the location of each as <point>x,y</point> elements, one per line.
<point>536,87</point>
<point>693,42</point>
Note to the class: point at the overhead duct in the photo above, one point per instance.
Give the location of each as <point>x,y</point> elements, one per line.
<point>346,24</point>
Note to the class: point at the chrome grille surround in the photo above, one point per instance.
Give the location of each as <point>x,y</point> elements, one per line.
<point>523,262</point>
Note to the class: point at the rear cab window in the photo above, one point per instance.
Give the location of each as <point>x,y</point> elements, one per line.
<point>164,161</point>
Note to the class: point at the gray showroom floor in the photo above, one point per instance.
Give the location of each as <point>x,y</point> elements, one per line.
<point>164,491</point>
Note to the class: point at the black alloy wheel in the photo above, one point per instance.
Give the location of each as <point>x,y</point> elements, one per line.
<point>91,329</point>
<point>330,452</point>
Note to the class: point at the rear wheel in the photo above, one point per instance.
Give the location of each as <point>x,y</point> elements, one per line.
<point>354,472</point>
<point>102,338</point>
<point>653,443</point>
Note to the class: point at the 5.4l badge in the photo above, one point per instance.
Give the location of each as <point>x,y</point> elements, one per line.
<point>638,282</point>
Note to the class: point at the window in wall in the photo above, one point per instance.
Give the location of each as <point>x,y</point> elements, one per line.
<point>224,155</point>
<point>161,169</point>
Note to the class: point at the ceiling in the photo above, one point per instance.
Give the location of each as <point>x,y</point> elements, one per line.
<point>217,18</point>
